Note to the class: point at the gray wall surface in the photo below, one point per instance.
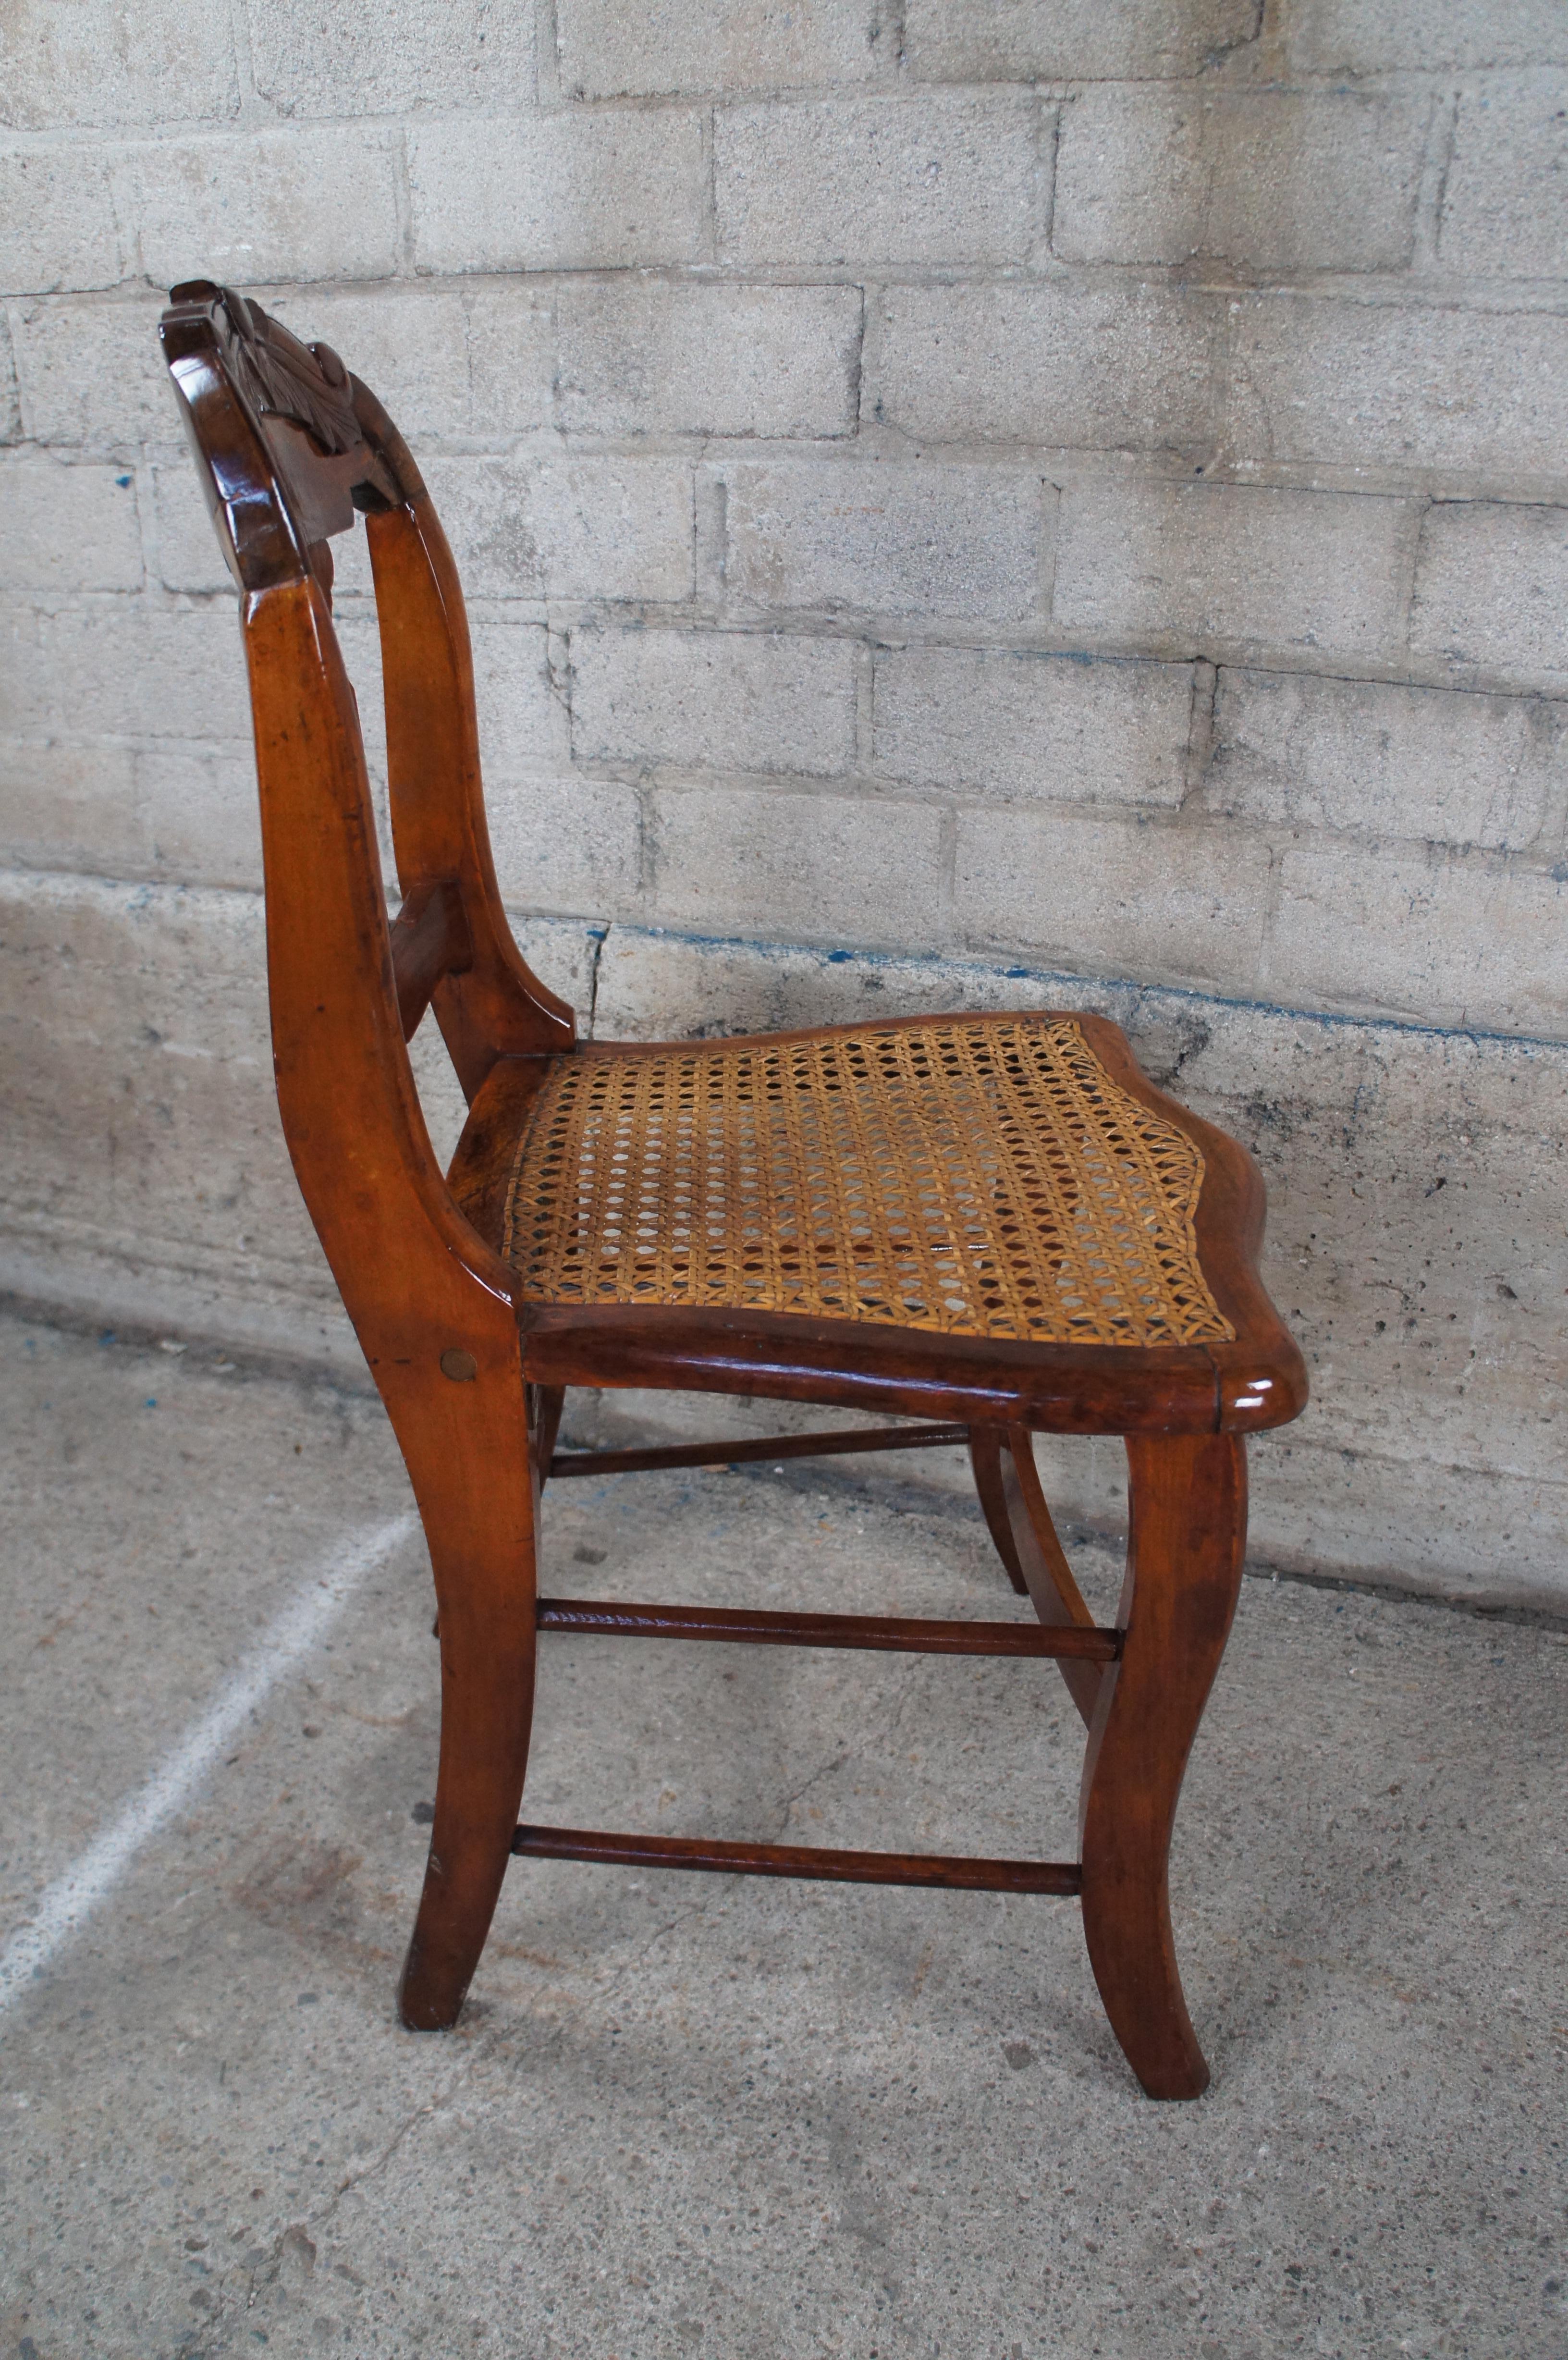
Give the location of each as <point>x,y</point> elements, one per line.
<point>961,504</point>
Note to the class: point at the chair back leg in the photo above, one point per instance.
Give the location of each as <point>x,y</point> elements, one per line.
<point>986,1459</point>
<point>1185,1546</point>
<point>478,1496</point>
<point>1020,1523</point>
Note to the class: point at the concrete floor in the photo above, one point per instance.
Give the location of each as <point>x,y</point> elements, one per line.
<point>692,2116</point>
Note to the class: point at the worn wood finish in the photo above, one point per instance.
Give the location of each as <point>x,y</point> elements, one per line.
<point>831,1445</point>
<point>902,1634</point>
<point>1188,1536</point>
<point>418,1282</point>
<point>291,448</point>
<point>892,1371</point>
<point>482,1164</point>
<point>429,941</point>
<point>956,1873</point>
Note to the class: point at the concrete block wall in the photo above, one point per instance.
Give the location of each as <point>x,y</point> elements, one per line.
<point>958,503</point>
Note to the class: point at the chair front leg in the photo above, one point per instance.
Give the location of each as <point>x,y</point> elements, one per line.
<point>478,1494</point>
<point>1187,1537</point>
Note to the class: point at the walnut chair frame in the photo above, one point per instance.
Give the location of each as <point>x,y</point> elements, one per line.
<point>472,1365</point>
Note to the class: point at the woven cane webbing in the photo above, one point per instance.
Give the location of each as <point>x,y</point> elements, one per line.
<point>982,1176</point>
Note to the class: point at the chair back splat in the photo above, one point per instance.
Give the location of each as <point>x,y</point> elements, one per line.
<point>996,1224</point>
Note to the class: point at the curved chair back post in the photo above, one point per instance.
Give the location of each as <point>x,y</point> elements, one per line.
<point>351,1112</point>
<point>495,1007</point>
<point>284,465</point>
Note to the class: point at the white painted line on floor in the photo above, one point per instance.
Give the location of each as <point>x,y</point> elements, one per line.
<point>307,1618</point>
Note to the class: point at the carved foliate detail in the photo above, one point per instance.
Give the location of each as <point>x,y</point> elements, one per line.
<point>279,375</point>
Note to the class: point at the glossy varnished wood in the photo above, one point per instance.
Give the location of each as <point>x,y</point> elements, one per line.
<point>495,1007</point>
<point>1188,1507</point>
<point>955,1873</point>
<point>902,1634</point>
<point>417,1281</point>
<point>893,1371</point>
<point>291,449</point>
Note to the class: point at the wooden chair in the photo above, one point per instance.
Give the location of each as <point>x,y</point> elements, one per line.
<point>994,1224</point>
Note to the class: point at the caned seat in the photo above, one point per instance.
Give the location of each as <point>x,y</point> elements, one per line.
<point>993,1221</point>
<point>979,1176</point>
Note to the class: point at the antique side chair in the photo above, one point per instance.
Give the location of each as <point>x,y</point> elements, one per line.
<point>994,1224</point>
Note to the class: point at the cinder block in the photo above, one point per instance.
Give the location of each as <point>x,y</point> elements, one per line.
<point>1492,587</point>
<point>1413,1177</point>
<point>567,844</point>
<point>64,806</point>
<point>522,718</point>
<point>1399,385</point>
<point>1025,40</point>
<point>89,62</point>
<point>409,346</point>
<point>564,955</point>
<point>890,539</point>
<point>10,403</point>
<point>59,226</point>
<point>92,373</point>
<point>158,1188</point>
<point>550,191</point>
<point>390,57</point>
<point>1266,180</point>
<point>1388,761</point>
<point>1043,728</point>
<point>1424,35</point>
<point>164,1146</point>
<point>1231,561</point>
<point>654,357</point>
<point>811,867</point>
<point>665,986</point>
<point>511,345</point>
<point>1504,201</point>
<point>935,178</point>
<point>1097,366</point>
<point>590,528</point>
<point>608,50</point>
<point>316,201</point>
<point>68,527</point>
<point>1441,937</point>
<point>123,667</point>
<point>718,701</point>
<point>200,816</point>
<point>1162,904</point>
<point>188,557</point>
